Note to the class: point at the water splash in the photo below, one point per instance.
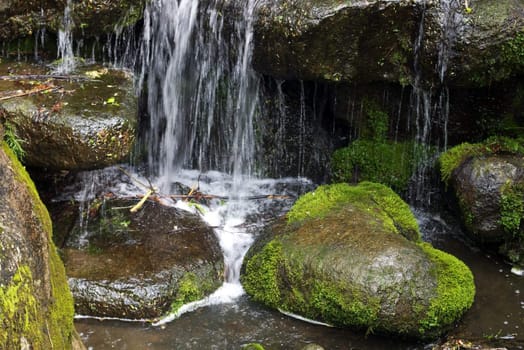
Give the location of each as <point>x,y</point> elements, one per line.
<point>65,42</point>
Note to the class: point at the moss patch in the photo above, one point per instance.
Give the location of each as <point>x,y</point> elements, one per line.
<point>392,210</point>
<point>19,311</point>
<point>56,316</point>
<point>454,157</point>
<point>378,161</point>
<point>455,290</point>
<point>190,288</point>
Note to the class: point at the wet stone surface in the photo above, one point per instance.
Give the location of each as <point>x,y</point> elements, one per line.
<point>129,265</point>
<point>83,121</point>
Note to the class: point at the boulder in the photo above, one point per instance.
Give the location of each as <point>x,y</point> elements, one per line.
<point>365,41</point>
<point>343,257</point>
<point>487,181</point>
<point>83,122</point>
<point>36,306</point>
<point>135,266</point>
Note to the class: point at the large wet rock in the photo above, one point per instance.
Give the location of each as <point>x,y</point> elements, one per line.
<point>363,41</point>
<point>85,122</point>
<point>36,307</point>
<point>22,18</point>
<point>138,265</point>
<point>487,179</point>
<point>343,258</point>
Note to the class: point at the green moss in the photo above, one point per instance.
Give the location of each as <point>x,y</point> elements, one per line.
<point>19,312</point>
<point>388,163</point>
<point>377,121</point>
<point>392,210</point>
<point>454,157</point>
<point>253,346</point>
<point>261,277</point>
<point>57,318</point>
<point>189,289</point>
<point>343,307</point>
<point>455,291</point>
<point>512,209</point>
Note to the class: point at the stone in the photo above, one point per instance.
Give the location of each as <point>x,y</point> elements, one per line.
<point>36,306</point>
<point>135,266</point>
<point>341,259</point>
<point>84,123</point>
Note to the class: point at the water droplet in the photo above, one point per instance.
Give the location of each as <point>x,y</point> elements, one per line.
<point>506,322</point>
<point>517,291</point>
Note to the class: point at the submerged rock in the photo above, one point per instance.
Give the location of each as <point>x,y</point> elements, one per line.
<point>343,258</point>
<point>83,123</point>
<point>487,179</point>
<point>36,307</point>
<point>135,266</point>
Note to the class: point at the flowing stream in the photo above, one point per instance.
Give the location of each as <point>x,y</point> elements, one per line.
<point>202,104</point>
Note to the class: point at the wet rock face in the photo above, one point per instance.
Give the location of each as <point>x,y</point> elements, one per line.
<point>36,307</point>
<point>489,190</point>
<point>478,184</point>
<point>366,41</point>
<point>21,18</point>
<point>348,267</point>
<point>83,123</point>
<point>131,265</point>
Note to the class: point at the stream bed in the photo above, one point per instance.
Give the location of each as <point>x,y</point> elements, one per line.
<point>496,318</point>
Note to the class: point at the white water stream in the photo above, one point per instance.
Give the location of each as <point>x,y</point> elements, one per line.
<point>65,54</point>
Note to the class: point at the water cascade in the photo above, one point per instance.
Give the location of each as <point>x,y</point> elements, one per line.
<point>65,42</point>
<point>202,102</point>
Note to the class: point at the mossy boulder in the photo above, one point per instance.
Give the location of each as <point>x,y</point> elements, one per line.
<point>343,258</point>
<point>36,306</point>
<point>135,265</point>
<point>83,123</point>
<point>487,181</point>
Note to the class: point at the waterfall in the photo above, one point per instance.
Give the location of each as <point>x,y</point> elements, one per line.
<point>201,98</point>
<point>65,42</point>
<point>430,104</point>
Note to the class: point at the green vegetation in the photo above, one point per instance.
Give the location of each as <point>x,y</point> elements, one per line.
<point>56,315</point>
<point>507,62</point>
<point>253,346</point>
<point>376,198</point>
<point>388,163</point>
<point>455,156</point>
<point>512,209</point>
<point>455,291</point>
<point>189,289</point>
<point>14,142</point>
<point>262,274</point>
<point>19,311</point>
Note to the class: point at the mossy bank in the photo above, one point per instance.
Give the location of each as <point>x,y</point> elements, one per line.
<point>351,256</point>
<point>36,305</point>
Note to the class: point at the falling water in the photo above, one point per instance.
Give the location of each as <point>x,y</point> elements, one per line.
<point>202,99</point>
<point>65,42</point>
<point>430,104</point>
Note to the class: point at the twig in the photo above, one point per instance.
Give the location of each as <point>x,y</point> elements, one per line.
<point>43,77</point>
<point>142,201</point>
<point>29,92</point>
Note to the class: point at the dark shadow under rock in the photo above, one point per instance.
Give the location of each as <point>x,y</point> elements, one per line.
<point>131,265</point>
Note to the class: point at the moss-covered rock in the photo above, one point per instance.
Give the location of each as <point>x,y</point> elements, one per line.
<point>389,163</point>
<point>88,122</point>
<point>340,259</point>
<point>36,306</point>
<point>487,180</point>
